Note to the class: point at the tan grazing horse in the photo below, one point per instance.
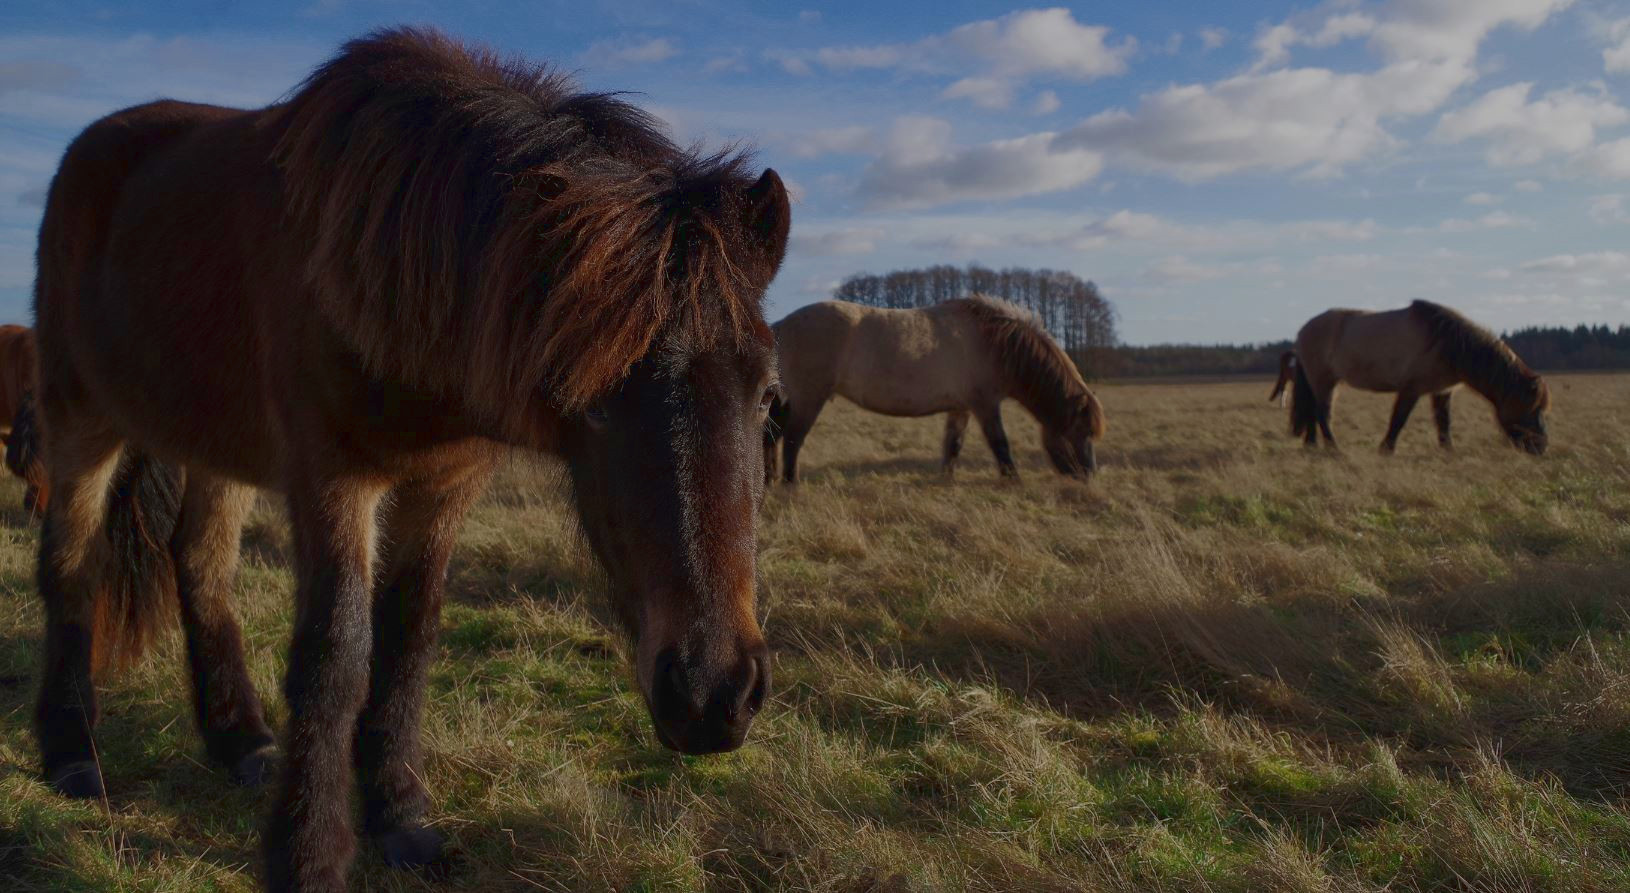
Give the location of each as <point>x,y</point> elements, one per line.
<point>961,357</point>
<point>362,297</point>
<point>1423,349</point>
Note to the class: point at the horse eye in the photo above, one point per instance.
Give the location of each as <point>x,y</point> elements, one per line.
<point>595,415</point>
<point>770,393</point>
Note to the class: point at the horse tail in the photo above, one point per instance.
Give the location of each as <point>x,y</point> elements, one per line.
<point>1304,406</point>
<point>1287,366</point>
<point>137,595</point>
<point>1095,416</point>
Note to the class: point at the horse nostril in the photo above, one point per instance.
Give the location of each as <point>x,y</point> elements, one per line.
<point>755,685</point>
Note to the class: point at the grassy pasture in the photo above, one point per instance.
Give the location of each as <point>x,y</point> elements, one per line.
<point>1227,664</point>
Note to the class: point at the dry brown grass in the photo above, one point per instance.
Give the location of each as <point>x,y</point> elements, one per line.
<point>1227,664</point>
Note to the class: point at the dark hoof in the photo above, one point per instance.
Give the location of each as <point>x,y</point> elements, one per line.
<point>81,780</point>
<point>257,768</point>
<point>417,848</point>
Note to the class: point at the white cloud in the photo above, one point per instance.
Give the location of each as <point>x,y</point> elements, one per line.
<point>1491,220</point>
<point>1597,264</point>
<point>1212,38</point>
<point>1002,52</point>
<point>920,167</point>
<point>1609,160</point>
<point>1527,186</point>
<point>1609,209</point>
<point>1523,131</point>
<point>619,53</point>
<point>987,93</point>
<point>1311,120</point>
<point>1481,198</point>
<point>1616,34</point>
<point>836,242</point>
<point>1046,103</point>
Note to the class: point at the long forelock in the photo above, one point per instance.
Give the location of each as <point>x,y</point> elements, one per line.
<point>480,228</point>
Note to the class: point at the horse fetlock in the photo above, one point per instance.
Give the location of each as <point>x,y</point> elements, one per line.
<point>80,780</point>
<point>257,767</point>
<point>415,847</point>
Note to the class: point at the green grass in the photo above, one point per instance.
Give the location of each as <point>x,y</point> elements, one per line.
<point>1227,664</point>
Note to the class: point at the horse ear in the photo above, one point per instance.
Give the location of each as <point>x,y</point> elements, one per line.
<point>767,214</point>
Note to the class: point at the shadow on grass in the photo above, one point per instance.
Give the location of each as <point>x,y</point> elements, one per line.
<point>1326,673</point>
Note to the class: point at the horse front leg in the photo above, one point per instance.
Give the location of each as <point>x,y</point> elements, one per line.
<point>421,529</point>
<point>308,841</point>
<point>990,423</point>
<point>1401,408</point>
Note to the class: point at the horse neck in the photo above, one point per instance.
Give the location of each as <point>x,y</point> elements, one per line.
<point>1048,401</point>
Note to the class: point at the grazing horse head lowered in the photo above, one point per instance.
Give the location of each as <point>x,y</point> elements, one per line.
<point>360,297</point>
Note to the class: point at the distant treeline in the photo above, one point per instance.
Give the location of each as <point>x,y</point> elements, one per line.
<point>1071,308</point>
<point>1547,348</point>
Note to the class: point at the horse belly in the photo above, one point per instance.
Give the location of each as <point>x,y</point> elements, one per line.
<point>900,387</point>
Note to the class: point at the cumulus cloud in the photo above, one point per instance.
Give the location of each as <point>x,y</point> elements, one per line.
<point>1527,186</point>
<point>1004,53</point>
<point>920,167</point>
<point>1610,160</point>
<point>1616,34</point>
<point>988,93</point>
<point>621,53</point>
<point>1212,38</point>
<point>1520,130</point>
<point>836,242</point>
<point>1597,264</point>
<point>1308,119</point>
<point>1046,102</point>
<point>1481,198</point>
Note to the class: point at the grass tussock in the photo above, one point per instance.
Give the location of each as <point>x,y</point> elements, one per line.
<point>1228,664</point>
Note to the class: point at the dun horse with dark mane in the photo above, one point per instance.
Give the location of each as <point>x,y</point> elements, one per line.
<point>361,297</point>
<point>959,357</point>
<point>1423,349</point>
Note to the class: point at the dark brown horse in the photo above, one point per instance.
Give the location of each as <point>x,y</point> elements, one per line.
<point>361,297</point>
<point>1423,349</point>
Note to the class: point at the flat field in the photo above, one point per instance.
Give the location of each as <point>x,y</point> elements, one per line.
<point>1226,664</point>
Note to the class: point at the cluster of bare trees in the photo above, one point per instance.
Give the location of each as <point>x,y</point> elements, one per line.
<point>1071,308</point>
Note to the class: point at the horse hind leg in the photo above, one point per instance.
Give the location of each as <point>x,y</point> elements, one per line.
<point>72,569</point>
<point>1440,415</point>
<point>801,416</point>
<point>956,429</point>
<point>1401,408</point>
<point>206,546</point>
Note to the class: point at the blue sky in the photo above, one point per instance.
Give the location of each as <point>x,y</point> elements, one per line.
<point>1222,171</point>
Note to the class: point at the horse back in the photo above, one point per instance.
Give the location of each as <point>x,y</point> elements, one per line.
<point>1375,351</point>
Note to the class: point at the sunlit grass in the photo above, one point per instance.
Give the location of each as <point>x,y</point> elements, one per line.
<point>1226,664</point>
